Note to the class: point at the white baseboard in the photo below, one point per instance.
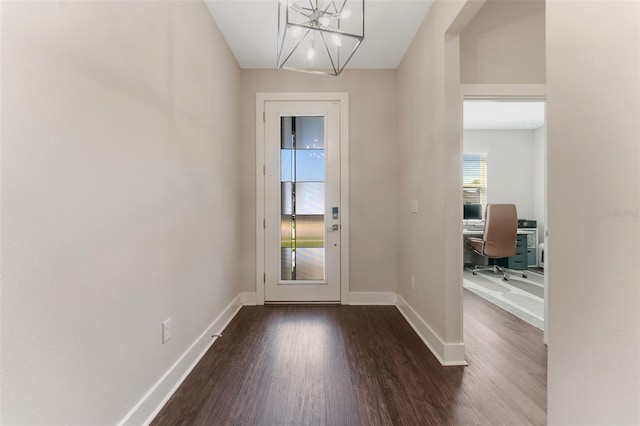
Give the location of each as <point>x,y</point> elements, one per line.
<point>153,401</point>
<point>448,354</point>
<point>371,298</point>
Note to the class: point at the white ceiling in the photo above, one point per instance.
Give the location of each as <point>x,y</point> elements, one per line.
<point>250,28</point>
<point>503,115</point>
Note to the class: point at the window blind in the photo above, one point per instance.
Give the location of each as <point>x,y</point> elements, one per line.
<point>474,179</point>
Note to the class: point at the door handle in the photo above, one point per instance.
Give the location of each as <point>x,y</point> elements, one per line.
<point>333,228</point>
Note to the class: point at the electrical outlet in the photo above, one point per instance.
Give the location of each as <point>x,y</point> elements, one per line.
<point>413,282</point>
<point>166,330</point>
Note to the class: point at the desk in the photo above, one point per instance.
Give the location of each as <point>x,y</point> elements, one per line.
<point>468,255</point>
<point>526,249</point>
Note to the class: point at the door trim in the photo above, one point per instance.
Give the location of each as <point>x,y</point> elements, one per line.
<point>343,99</point>
<point>511,92</point>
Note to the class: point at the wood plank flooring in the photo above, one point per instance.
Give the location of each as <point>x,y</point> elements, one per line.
<point>357,365</point>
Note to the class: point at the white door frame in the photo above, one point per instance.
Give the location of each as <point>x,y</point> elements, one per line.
<point>516,92</point>
<point>343,100</point>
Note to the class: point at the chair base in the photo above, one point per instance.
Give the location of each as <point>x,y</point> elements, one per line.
<point>496,269</point>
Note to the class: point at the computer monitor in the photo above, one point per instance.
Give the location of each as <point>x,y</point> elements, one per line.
<point>472,212</point>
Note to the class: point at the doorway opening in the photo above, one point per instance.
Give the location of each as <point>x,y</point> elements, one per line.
<point>504,162</point>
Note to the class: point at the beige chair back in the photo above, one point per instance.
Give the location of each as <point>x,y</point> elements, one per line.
<point>500,230</point>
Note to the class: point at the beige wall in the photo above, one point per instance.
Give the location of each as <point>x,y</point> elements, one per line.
<point>430,148</point>
<point>119,199</point>
<point>372,169</point>
<point>505,43</point>
<point>593,134</point>
<point>429,121</point>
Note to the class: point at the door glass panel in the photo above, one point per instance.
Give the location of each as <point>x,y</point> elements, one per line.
<point>286,263</point>
<point>302,164</point>
<point>309,263</point>
<point>286,196</point>
<point>286,165</point>
<point>310,165</point>
<point>310,198</point>
<point>310,132</point>
<point>309,231</point>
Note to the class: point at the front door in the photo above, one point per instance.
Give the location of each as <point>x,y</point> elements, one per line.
<point>302,201</point>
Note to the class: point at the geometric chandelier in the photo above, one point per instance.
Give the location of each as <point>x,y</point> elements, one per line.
<point>319,36</point>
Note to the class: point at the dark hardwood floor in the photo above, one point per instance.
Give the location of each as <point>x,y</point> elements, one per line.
<point>357,365</point>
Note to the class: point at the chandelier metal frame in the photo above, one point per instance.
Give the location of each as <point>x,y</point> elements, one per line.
<point>318,24</point>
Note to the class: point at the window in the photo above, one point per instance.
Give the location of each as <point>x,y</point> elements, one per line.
<point>474,178</point>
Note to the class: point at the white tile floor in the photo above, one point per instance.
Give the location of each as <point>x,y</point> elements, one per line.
<point>522,297</point>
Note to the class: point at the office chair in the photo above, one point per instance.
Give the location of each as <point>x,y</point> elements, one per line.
<point>499,238</point>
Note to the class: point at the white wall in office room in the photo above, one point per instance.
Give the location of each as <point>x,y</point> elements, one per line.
<point>510,173</point>
<point>539,175</point>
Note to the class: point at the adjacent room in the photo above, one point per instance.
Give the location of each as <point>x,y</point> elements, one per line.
<point>504,162</point>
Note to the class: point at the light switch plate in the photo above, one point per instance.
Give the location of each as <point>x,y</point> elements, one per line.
<point>414,206</point>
